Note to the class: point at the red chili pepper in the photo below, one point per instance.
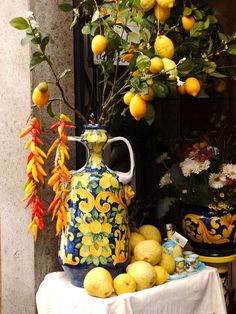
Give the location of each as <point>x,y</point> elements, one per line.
<point>38,140</point>
<point>30,156</point>
<point>70,126</point>
<point>41,204</point>
<point>54,203</point>
<point>55,125</point>
<point>30,200</point>
<point>36,125</point>
<point>26,131</point>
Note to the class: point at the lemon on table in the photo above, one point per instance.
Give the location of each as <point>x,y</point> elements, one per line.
<point>167,261</point>
<point>143,273</point>
<point>187,22</point>
<point>192,86</point>
<point>98,282</point>
<point>138,107</point>
<point>162,275</point>
<point>127,97</point>
<point>150,95</point>
<point>161,14</point>
<point>166,3</point>
<point>164,47</point>
<point>40,94</point>
<point>170,68</point>
<point>147,5</point>
<point>150,232</point>
<point>99,44</point>
<point>149,251</point>
<point>134,239</point>
<point>124,283</point>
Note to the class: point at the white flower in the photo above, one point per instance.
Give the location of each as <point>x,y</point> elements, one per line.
<point>229,170</point>
<point>217,180</point>
<point>34,24</point>
<point>190,166</point>
<point>29,15</point>
<point>165,180</point>
<point>179,82</point>
<point>162,158</point>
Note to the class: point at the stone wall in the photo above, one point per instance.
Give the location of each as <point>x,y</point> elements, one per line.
<point>24,264</point>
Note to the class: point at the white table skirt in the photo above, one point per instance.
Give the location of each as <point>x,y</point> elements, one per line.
<point>200,293</point>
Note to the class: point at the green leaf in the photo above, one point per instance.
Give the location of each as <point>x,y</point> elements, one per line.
<point>63,74</point>
<point>65,7</point>
<point>222,37</point>
<point>83,260</point>
<point>49,110</point>
<point>196,29</point>
<point>44,43</point>
<point>19,23</point>
<point>78,245</point>
<point>140,87</point>
<point>27,39</point>
<point>143,62</point>
<point>232,49</point>
<point>150,114</point>
<point>212,19</point>
<point>103,260</point>
<point>134,38</point>
<point>198,14</point>
<point>217,74</point>
<point>74,21</point>
<point>144,36</point>
<point>89,259</point>
<point>86,29</point>
<point>209,67</point>
<point>185,67</point>
<point>160,89</point>
<point>95,16</point>
<point>96,260</point>
<point>36,59</point>
<point>187,11</point>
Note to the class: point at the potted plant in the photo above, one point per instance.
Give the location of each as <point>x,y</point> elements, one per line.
<point>165,46</point>
<point>204,179</point>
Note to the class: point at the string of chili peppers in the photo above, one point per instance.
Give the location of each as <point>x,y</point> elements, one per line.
<point>60,174</point>
<point>35,174</point>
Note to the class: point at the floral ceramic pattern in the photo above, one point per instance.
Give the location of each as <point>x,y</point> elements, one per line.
<point>97,232</point>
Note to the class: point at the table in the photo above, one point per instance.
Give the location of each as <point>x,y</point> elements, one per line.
<point>197,294</point>
<point>221,263</point>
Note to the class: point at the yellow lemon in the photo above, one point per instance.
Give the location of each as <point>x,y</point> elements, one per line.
<point>164,47</point>
<point>166,3</point>
<point>187,22</point>
<point>138,107</point>
<point>156,65</point>
<point>149,96</point>
<point>167,261</point>
<point>192,86</point>
<point>162,275</point>
<point>149,251</point>
<point>127,97</point>
<point>99,44</point>
<point>98,282</point>
<point>170,68</point>
<point>147,5</point>
<point>40,94</point>
<point>150,232</point>
<point>124,283</point>
<point>161,14</point>
<point>143,273</point>
<point>134,239</point>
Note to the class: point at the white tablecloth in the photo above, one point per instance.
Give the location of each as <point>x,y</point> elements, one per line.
<point>200,293</point>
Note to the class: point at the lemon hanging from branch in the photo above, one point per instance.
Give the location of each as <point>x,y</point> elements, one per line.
<point>166,3</point>
<point>161,14</point>
<point>164,47</point>
<point>40,94</point>
<point>147,5</point>
<point>99,44</point>
<point>138,107</point>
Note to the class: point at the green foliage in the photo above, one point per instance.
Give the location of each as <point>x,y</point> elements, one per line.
<point>19,23</point>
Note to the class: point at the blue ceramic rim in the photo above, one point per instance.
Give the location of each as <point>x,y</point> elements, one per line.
<point>95,127</point>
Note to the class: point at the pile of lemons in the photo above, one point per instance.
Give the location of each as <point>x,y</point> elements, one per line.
<point>150,265</point>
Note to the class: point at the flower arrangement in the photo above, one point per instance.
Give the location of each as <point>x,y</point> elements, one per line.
<point>206,173</point>
<point>164,45</point>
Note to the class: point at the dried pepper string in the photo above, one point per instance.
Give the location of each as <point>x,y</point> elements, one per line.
<point>60,174</point>
<point>35,175</point>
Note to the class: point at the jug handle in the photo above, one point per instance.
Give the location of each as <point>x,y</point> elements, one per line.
<point>78,139</point>
<point>124,177</point>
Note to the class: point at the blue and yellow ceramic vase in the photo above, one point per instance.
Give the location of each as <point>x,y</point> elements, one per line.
<point>210,232</point>
<point>97,233</point>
